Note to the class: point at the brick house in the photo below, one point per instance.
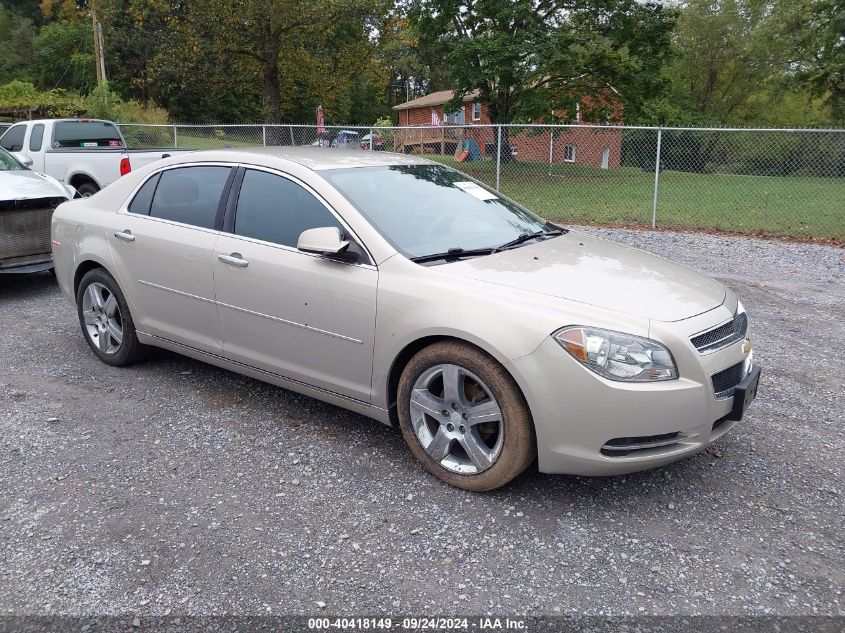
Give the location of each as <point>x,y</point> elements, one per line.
<point>595,147</point>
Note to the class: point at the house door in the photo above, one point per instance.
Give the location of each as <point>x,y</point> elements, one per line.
<point>605,158</point>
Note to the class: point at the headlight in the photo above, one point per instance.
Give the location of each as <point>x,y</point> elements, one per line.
<point>618,356</point>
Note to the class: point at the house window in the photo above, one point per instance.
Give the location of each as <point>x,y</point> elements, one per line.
<point>569,153</point>
<point>455,118</point>
<point>476,111</point>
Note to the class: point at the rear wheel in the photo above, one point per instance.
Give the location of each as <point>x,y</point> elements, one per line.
<point>87,189</point>
<point>464,418</point>
<point>106,321</point>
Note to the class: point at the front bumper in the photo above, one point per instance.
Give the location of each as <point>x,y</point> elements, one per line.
<point>587,425</point>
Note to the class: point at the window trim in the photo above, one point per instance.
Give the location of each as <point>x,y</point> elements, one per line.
<point>476,118</point>
<point>124,207</point>
<point>229,199</point>
<point>228,224</point>
<point>574,149</point>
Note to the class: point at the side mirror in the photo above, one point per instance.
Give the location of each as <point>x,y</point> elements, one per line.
<point>325,240</point>
<point>23,159</point>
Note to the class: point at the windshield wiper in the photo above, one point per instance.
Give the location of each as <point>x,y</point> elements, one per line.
<point>453,253</point>
<point>525,237</point>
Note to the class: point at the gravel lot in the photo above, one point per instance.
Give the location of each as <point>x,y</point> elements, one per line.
<point>175,487</point>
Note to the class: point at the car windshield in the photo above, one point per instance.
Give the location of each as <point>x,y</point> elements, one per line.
<point>9,163</point>
<point>429,209</point>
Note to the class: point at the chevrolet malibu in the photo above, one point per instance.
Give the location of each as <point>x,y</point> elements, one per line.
<point>404,290</point>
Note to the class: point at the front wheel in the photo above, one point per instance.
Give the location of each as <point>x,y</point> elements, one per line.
<point>464,418</point>
<point>106,321</point>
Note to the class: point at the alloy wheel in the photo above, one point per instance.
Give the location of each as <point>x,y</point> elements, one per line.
<point>456,419</point>
<point>101,315</point>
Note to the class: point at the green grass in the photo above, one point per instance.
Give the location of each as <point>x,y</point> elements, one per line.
<point>793,206</point>
<point>191,141</point>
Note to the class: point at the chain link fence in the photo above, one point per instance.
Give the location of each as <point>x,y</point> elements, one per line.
<point>764,181</point>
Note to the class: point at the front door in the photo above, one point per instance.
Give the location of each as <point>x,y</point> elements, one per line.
<point>303,316</point>
<point>163,245</point>
<point>605,158</point>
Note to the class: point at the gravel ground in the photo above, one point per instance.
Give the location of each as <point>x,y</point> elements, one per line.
<point>175,487</point>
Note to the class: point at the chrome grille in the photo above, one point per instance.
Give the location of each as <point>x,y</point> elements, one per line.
<point>726,380</point>
<point>722,335</point>
<point>25,227</point>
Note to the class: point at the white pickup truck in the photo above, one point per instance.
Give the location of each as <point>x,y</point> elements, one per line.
<point>87,154</point>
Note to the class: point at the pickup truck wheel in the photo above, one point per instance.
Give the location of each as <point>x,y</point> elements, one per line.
<point>106,321</point>
<point>464,418</point>
<point>88,189</point>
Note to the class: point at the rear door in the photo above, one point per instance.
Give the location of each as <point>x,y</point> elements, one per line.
<point>163,243</point>
<point>292,313</point>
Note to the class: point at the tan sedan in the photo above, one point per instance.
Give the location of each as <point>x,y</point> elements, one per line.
<point>408,292</point>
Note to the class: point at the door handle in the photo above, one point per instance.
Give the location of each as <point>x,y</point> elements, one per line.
<point>234,259</point>
<point>125,235</point>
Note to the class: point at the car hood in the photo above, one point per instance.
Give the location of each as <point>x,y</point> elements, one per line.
<point>25,185</point>
<point>600,273</point>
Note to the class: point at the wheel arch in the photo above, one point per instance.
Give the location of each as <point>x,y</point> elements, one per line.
<point>80,178</point>
<point>401,360</point>
<point>84,267</point>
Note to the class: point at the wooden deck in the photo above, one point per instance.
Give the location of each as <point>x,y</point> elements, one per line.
<point>426,139</point>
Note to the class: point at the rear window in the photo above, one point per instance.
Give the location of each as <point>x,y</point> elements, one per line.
<point>190,195</point>
<point>86,134</point>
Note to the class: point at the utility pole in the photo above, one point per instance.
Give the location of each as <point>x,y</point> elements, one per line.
<point>99,56</point>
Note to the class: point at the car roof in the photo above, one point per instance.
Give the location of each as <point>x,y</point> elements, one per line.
<point>314,158</point>
<point>80,119</point>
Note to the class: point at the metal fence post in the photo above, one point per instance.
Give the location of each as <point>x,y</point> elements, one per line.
<point>656,179</point>
<point>498,156</point>
<point>371,139</point>
<point>175,138</point>
<point>264,135</point>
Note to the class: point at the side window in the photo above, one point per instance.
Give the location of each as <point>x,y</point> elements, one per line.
<point>144,198</point>
<point>190,195</point>
<point>36,138</point>
<point>12,140</point>
<point>275,209</point>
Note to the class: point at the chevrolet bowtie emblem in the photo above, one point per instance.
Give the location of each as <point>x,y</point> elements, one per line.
<point>746,346</point>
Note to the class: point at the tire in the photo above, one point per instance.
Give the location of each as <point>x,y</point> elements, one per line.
<point>486,386</point>
<point>99,330</point>
<point>87,189</point>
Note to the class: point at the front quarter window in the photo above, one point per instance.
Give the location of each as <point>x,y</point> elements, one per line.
<point>429,208</point>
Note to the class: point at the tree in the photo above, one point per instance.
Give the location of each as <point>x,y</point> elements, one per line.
<point>527,58</point>
<point>815,32</point>
<point>289,47</point>
<point>750,62</point>
<point>64,56</point>
<point>414,67</point>
<point>16,33</point>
